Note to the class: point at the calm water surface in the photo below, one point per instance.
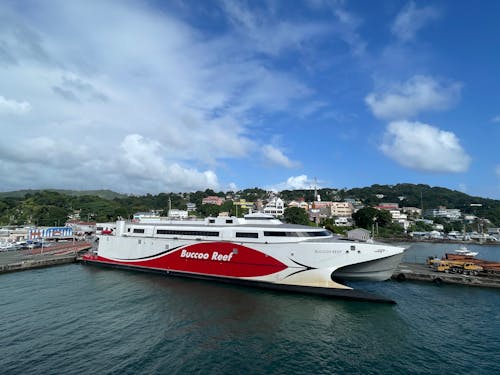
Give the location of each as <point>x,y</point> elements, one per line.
<point>80,319</point>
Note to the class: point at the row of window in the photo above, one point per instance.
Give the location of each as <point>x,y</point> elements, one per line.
<point>238,234</point>
<point>187,232</point>
<point>322,233</point>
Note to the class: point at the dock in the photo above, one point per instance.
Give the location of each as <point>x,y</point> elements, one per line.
<point>22,260</point>
<point>422,272</point>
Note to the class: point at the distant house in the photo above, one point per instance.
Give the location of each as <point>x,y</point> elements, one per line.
<point>447,213</point>
<point>343,222</point>
<point>412,211</point>
<point>243,203</point>
<point>300,204</point>
<point>213,200</point>
<point>275,207</point>
<point>388,206</point>
<point>342,209</point>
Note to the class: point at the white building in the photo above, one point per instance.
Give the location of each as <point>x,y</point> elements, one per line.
<point>275,207</point>
<point>412,211</point>
<point>299,204</point>
<point>343,222</point>
<point>400,218</point>
<point>447,213</point>
<point>177,214</point>
<point>146,216</point>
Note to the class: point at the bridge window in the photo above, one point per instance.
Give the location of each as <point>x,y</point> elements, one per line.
<point>187,232</point>
<point>247,235</point>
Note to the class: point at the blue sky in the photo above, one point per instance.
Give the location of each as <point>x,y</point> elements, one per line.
<point>152,96</point>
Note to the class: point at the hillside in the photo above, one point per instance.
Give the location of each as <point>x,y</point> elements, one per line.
<point>104,194</point>
<point>426,197</point>
<point>49,206</point>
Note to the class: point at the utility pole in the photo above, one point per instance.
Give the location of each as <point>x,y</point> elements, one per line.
<point>315,190</point>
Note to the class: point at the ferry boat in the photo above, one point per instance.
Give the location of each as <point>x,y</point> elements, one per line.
<point>257,250</point>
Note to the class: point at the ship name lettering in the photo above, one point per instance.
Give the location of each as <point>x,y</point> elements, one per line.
<point>193,255</point>
<point>221,257</point>
<point>215,255</point>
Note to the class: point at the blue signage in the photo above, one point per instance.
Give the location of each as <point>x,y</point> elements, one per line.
<point>54,232</point>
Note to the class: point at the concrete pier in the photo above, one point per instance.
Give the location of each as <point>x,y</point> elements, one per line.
<point>22,260</point>
<point>422,272</point>
<point>37,263</point>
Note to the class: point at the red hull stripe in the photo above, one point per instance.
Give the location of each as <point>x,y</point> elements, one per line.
<point>211,258</point>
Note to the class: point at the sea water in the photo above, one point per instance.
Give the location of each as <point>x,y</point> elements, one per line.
<point>78,319</point>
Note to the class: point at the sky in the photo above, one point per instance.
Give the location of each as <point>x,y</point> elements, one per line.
<point>176,96</point>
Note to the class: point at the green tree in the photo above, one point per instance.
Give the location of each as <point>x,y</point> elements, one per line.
<point>296,215</point>
<point>207,210</point>
<point>367,216</point>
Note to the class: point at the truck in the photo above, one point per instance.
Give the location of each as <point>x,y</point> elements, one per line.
<point>455,266</point>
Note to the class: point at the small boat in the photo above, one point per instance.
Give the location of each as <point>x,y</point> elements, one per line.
<point>464,251</point>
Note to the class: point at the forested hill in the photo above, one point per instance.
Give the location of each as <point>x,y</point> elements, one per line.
<point>408,195</point>
<point>427,197</point>
<point>46,207</point>
<point>421,196</point>
<point>104,194</point>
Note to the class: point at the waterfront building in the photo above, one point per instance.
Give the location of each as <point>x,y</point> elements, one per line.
<point>50,233</point>
<point>82,228</point>
<point>191,207</point>
<point>13,234</point>
<point>359,234</point>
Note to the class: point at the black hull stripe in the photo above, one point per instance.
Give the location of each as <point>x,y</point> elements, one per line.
<point>152,256</point>
<point>346,294</point>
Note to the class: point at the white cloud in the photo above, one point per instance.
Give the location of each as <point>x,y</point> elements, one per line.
<point>425,148</point>
<point>411,19</point>
<point>13,107</point>
<point>192,96</point>
<point>496,119</point>
<point>232,187</point>
<point>293,183</point>
<point>260,29</point>
<point>348,26</point>
<point>276,156</point>
<point>142,159</point>
<point>418,94</point>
